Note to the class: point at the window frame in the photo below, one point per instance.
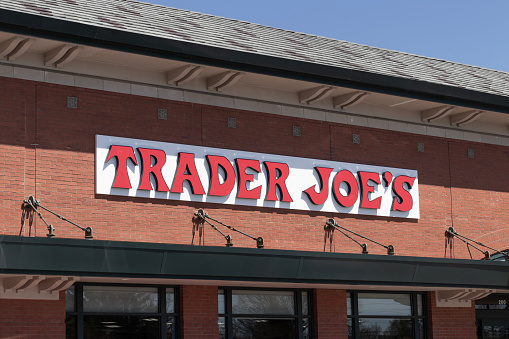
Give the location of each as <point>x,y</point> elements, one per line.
<point>414,312</point>
<point>298,316</point>
<point>162,313</point>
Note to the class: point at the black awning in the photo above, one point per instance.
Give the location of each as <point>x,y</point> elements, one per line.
<point>98,258</point>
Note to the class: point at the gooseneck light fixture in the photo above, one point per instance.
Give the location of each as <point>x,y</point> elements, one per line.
<point>33,204</point>
<point>332,224</point>
<point>451,233</point>
<point>205,217</point>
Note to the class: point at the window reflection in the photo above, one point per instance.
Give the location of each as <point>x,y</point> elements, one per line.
<point>221,302</point>
<point>261,314</point>
<point>126,327</point>
<point>265,302</point>
<point>348,304</point>
<point>70,300</point>
<point>120,299</point>
<point>170,300</point>
<point>305,307</point>
<point>305,329</point>
<point>222,327</point>
<point>111,312</point>
<point>384,304</point>
<point>385,328</point>
<point>386,315</point>
<point>251,328</point>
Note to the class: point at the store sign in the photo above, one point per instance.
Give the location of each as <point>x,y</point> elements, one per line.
<point>150,169</point>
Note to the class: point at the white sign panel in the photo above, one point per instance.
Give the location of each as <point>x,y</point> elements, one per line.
<point>150,169</point>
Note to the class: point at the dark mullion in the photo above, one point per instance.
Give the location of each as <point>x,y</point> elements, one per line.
<point>162,310</point>
<point>298,312</point>
<point>78,294</point>
<point>415,313</point>
<point>425,314</point>
<point>176,312</point>
<point>229,313</point>
<point>311,314</point>
<point>355,319</point>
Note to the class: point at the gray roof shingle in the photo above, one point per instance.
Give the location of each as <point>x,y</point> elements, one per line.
<point>182,25</point>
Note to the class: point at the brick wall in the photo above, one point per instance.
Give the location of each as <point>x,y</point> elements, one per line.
<point>451,322</point>
<point>48,149</point>
<point>60,172</point>
<point>32,319</point>
<point>198,312</point>
<point>330,314</point>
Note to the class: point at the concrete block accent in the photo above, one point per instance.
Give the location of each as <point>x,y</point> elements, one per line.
<point>503,141</point>
<point>6,71</point>
<point>170,94</point>
<point>117,86</point>
<point>59,78</point>
<point>247,105</point>
<point>469,136</point>
<point>88,82</point>
<point>336,117</point>
<point>417,129</point>
<point>454,134</point>
<point>314,114</point>
<point>266,107</point>
<point>144,90</point>
<point>216,100</point>
<point>197,98</point>
<point>357,120</point>
<point>398,126</point>
<point>290,111</point>
<point>378,123</point>
<point>28,74</point>
<point>435,131</point>
<point>490,139</point>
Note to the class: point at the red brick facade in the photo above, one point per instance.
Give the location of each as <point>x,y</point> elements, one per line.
<point>32,319</point>
<point>198,309</point>
<point>451,322</point>
<point>60,172</point>
<point>48,151</point>
<point>330,314</point>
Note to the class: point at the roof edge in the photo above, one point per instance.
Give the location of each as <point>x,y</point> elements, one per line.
<point>55,29</point>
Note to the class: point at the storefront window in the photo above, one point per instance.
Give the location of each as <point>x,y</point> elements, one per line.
<point>248,314</point>
<point>492,315</point>
<point>385,315</point>
<point>110,312</point>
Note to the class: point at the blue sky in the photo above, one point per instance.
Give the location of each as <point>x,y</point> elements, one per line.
<point>465,31</point>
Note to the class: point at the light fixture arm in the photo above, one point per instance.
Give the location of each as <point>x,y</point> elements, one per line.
<point>203,215</point>
<point>451,232</point>
<point>34,204</point>
<point>332,223</point>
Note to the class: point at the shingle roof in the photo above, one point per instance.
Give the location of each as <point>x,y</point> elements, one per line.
<point>202,29</point>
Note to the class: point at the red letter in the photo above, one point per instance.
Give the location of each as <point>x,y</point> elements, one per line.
<point>400,193</point>
<point>350,199</point>
<point>122,153</point>
<point>367,189</point>
<point>320,198</point>
<point>216,188</point>
<point>243,192</point>
<point>147,168</point>
<point>186,170</point>
<point>277,173</point>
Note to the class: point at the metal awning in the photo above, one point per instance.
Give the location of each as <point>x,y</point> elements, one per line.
<point>99,258</point>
